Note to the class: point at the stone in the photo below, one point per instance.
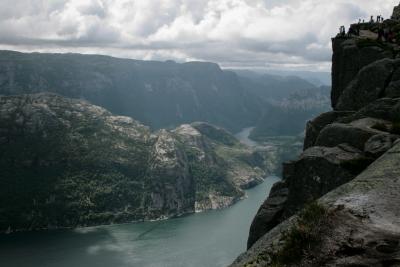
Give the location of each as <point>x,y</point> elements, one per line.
<point>347,60</point>
<point>355,134</point>
<point>318,171</point>
<point>385,108</point>
<point>368,86</point>
<point>396,13</point>
<point>379,144</point>
<point>362,228</point>
<point>315,126</point>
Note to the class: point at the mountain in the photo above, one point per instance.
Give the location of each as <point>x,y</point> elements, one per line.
<point>337,204</point>
<point>287,117</point>
<point>269,86</point>
<point>158,94</point>
<point>66,163</point>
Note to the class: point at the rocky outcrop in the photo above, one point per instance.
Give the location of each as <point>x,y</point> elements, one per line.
<point>349,166</point>
<point>369,85</point>
<point>315,126</point>
<point>348,59</point>
<point>315,173</point>
<point>361,227</point>
<point>396,13</point>
<point>67,163</point>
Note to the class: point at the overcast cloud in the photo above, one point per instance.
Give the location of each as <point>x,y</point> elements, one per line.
<point>283,34</point>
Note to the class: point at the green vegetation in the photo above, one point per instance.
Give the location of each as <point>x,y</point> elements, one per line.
<point>299,241</point>
<point>303,237</point>
<point>65,163</point>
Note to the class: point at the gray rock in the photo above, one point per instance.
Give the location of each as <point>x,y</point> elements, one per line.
<point>355,134</point>
<point>379,144</point>
<point>318,171</point>
<point>315,126</point>
<point>393,88</point>
<point>396,13</point>
<point>384,108</point>
<point>347,60</point>
<point>363,227</point>
<point>367,86</point>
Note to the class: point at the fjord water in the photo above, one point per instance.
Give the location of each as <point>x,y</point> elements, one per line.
<point>209,239</point>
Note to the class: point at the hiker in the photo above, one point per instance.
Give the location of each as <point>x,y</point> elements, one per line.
<point>378,19</point>
<point>372,19</point>
<point>359,21</point>
<point>342,31</point>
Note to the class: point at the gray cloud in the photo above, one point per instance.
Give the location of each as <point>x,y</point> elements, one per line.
<point>287,34</point>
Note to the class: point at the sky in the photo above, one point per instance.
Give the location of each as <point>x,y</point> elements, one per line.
<point>253,34</point>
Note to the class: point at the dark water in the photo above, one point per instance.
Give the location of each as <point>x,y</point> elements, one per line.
<point>209,239</point>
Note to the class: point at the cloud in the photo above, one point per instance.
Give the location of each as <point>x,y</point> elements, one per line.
<point>235,33</point>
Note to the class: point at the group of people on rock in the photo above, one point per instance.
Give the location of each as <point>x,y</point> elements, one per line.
<point>385,34</point>
<point>379,19</point>
<point>353,31</point>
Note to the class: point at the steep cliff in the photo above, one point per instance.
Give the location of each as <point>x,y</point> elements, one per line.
<point>349,166</point>
<point>66,163</point>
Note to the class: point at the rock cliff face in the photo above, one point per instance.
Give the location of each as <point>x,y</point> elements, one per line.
<point>349,166</point>
<point>66,163</point>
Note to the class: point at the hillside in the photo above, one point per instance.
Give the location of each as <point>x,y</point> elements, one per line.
<point>158,94</point>
<point>288,116</point>
<point>337,204</point>
<point>67,163</point>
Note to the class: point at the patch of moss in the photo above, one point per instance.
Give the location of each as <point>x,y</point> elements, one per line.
<point>303,237</point>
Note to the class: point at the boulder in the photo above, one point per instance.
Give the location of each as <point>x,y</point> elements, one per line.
<point>393,89</point>
<point>384,108</point>
<point>320,170</point>
<point>368,85</point>
<point>315,126</point>
<point>355,134</point>
<point>379,144</point>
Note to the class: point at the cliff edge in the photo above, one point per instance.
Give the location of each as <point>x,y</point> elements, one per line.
<point>337,204</point>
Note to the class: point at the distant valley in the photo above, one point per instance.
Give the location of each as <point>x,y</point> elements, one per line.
<point>90,139</point>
